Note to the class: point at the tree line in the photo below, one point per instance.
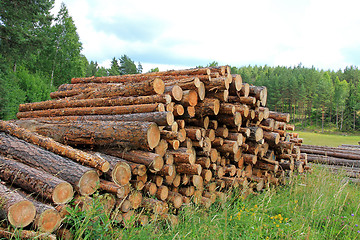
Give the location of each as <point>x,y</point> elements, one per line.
<point>311,96</point>
<point>39,52</point>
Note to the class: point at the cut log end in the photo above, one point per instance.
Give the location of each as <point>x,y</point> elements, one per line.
<point>153,135</point>
<point>158,163</point>
<point>88,183</point>
<point>201,91</point>
<point>63,193</point>
<point>169,118</point>
<point>48,221</point>
<point>177,93</point>
<point>121,173</point>
<point>22,213</point>
<point>105,166</point>
<point>159,86</point>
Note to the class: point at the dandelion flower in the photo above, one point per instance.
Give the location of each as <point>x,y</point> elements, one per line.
<point>277,225</point>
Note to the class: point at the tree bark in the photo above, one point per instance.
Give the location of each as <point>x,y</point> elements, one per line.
<point>143,135</point>
<point>55,147</point>
<point>25,234</point>
<point>114,110</point>
<point>141,77</point>
<point>160,118</point>
<point>83,179</point>
<point>149,159</point>
<point>95,102</point>
<point>278,116</point>
<point>144,88</point>
<point>32,180</point>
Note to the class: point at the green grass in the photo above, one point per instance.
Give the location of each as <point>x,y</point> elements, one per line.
<point>320,205</point>
<point>332,140</point>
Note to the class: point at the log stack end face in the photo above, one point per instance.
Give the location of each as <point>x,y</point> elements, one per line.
<point>88,183</point>
<point>49,221</point>
<point>153,135</point>
<point>63,193</point>
<point>21,214</point>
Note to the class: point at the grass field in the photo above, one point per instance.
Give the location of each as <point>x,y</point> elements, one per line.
<point>320,205</point>
<point>332,140</point>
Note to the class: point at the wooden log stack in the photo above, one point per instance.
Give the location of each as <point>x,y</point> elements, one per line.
<point>153,140</point>
<point>344,158</point>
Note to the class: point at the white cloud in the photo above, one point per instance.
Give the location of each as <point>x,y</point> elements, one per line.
<point>280,32</point>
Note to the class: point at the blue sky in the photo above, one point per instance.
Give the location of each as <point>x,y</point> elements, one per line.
<point>178,34</point>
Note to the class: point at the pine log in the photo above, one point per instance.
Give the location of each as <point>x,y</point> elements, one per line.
<point>175,92</point>
<point>16,209</point>
<point>133,134</point>
<point>260,92</point>
<point>150,188</point>
<point>157,206</point>
<point>271,138</point>
<point>144,88</point>
<point>231,121</point>
<point>47,218</point>
<point>236,84</point>
<point>183,155</point>
<point>152,160</point>
<point>141,77</point>
<point>113,110</point>
<point>209,106</point>
<point>47,186</point>
<point>331,149</point>
<point>111,187</point>
<point>278,116</point>
<point>189,98</point>
<point>332,160</point>
<point>160,118</point>
<point>223,95</point>
<point>242,108</point>
<point>245,90</point>
<point>194,169</point>
<point>162,193</point>
<point>120,170</point>
<point>95,102</point>
<point>55,147</point>
<point>256,134</point>
<point>136,169</point>
<point>84,179</point>
<point>25,234</point>
<point>349,156</point>
<point>175,198</point>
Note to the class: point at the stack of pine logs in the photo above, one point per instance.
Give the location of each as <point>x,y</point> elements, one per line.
<point>344,158</point>
<point>155,141</point>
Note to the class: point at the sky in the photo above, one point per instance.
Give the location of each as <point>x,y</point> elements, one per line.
<point>181,34</point>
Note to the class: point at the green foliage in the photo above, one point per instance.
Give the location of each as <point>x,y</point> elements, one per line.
<point>115,68</point>
<point>127,66</point>
<point>92,223</point>
<point>21,87</point>
<point>154,69</point>
<point>23,28</point>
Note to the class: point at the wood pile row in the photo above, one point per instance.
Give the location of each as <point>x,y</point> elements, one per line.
<point>344,158</point>
<point>153,141</point>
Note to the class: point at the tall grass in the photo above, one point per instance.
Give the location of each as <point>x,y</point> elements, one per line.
<point>320,205</point>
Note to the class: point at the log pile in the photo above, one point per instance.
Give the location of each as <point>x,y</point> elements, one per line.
<point>155,141</point>
<point>344,158</point>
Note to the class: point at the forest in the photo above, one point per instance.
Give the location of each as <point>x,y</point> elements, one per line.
<point>39,52</point>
